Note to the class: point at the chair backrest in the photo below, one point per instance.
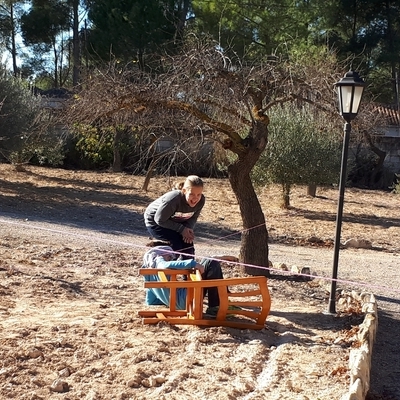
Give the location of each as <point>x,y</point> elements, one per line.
<point>172,275</point>
<point>247,300</point>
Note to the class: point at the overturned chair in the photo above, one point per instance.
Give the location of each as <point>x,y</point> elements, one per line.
<point>249,297</point>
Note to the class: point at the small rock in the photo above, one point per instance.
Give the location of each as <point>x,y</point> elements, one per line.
<point>306,271</point>
<point>314,239</point>
<point>281,266</point>
<point>134,382</point>
<point>59,386</point>
<point>38,382</point>
<point>295,269</point>
<point>160,379</point>
<point>342,301</point>
<point>149,382</point>
<point>35,353</point>
<point>64,373</point>
<point>300,271</point>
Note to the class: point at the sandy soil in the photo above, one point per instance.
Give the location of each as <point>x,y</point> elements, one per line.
<point>70,246</point>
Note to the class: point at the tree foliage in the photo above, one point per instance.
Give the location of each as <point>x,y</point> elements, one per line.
<point>304,148</point>
<point>368,31</point>
<point>252,28</point>
<point>23,125</point>
<point>365,31</point>
<point>10,14</point>
<point>129,30</point>
<point>44,21</point>
<point>18,111</point>
<point>41,27</point>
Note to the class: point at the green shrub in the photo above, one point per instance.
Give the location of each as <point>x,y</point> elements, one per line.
<point>27,130</point>
<point>95,145</point>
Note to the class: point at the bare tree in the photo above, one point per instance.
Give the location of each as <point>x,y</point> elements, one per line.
<point>226,98</point>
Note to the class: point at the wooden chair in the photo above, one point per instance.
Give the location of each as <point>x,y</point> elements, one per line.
<point>251,294</point>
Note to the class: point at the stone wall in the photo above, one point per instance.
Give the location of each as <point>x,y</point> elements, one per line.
<point>360,357</point>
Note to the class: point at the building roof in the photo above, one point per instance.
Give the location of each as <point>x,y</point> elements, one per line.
<point>389,113</point>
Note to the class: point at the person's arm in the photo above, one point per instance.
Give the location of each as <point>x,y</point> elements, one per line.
<point>179,264</point>
<point>225,258</point>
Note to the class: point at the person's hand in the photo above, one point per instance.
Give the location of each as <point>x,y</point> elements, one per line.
<point>200,267</point>
<point>188,235</point>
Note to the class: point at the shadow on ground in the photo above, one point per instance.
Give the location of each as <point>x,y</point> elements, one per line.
<point>385,358</point>
<point>103,207</point>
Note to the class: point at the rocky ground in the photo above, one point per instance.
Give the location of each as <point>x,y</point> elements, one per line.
<point>70,246</point>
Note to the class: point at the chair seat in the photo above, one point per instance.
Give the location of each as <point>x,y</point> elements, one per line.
<point>249,296</point>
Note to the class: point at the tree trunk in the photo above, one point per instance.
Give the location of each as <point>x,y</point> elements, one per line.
<point>149,173</point>
<point>183,15</point>
<point>285,195</point>
<point>117,163</point>
<point>75,47</point>
<point>254,240</point>
<point>13,45</point>
<point>56,85</point>
<point>312,190</point>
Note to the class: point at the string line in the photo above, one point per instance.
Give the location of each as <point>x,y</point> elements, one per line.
<point>234,263</point>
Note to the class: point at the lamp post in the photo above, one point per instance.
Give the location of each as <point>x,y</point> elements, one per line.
<point>349,89</point>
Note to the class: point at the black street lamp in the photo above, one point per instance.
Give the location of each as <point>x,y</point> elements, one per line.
<point>349,89</point>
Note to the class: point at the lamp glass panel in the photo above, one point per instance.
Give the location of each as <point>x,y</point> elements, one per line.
<point>345,99</point>
<point>358,91</point>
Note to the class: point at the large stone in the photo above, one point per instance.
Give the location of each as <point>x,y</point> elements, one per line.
<point>358,244</point>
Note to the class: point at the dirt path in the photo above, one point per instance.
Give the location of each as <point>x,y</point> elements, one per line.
<point>291,358</point>
<point>69,296</point>
<point>379,274</point>
<point>376,272</point>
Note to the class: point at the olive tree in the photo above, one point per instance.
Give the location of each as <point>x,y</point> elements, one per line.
<point>226,100</point>
<point>18,112</point>
<point>304,148</point>
<point>26,128</point>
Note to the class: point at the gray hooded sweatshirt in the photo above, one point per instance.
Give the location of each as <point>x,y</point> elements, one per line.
<point>171,211</point>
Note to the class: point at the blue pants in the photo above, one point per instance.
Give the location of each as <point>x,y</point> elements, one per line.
<point>212,270</point>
